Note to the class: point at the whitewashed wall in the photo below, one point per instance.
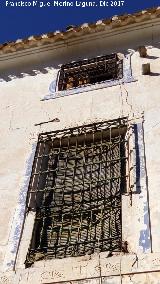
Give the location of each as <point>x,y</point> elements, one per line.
<point>25,80</point>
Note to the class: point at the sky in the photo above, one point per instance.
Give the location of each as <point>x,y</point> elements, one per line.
<point>21,22</point>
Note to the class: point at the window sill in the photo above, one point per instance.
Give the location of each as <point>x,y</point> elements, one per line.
<point>96,266</point>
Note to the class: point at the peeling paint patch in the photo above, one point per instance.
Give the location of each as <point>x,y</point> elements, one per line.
<point>141,187</point>
<point>18,218</point>
<point>144,240</point>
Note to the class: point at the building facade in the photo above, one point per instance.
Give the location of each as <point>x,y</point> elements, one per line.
<point>80,165</point>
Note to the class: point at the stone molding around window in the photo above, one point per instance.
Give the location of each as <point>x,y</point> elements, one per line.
<point>127,78</point>
<point>135,204</point>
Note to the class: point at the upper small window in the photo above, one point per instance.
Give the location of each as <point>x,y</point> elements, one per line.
<point>90,71</point>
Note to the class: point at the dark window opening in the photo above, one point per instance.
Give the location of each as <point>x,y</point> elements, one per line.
<point>90,71</point>
<point>77,180</point>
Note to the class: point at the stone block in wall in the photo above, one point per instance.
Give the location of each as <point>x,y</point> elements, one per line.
<point>110,265</point>
<point>59,270</point>
<point>71,270</point>
<point>111,280</point>
<point>144,278</point>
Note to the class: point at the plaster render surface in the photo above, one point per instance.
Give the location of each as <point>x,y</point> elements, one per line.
<point>122,269</point>
<point>22,109</point>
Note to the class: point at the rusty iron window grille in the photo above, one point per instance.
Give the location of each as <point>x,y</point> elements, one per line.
<point>77,180</point>
<point>90,71</point>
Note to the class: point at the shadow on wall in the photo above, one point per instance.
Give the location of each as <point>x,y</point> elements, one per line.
<point>152,57</point>
<point>38,65</point>
<point>23,72</point>
<point>154,74</point>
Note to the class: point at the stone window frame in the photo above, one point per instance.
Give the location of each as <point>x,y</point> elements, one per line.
<point>127,78</point>
<point>109,136</point>
<point>22,226</point>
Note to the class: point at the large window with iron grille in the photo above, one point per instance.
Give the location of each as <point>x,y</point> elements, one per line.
<point>78,177</point>
<point>90,71</point>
